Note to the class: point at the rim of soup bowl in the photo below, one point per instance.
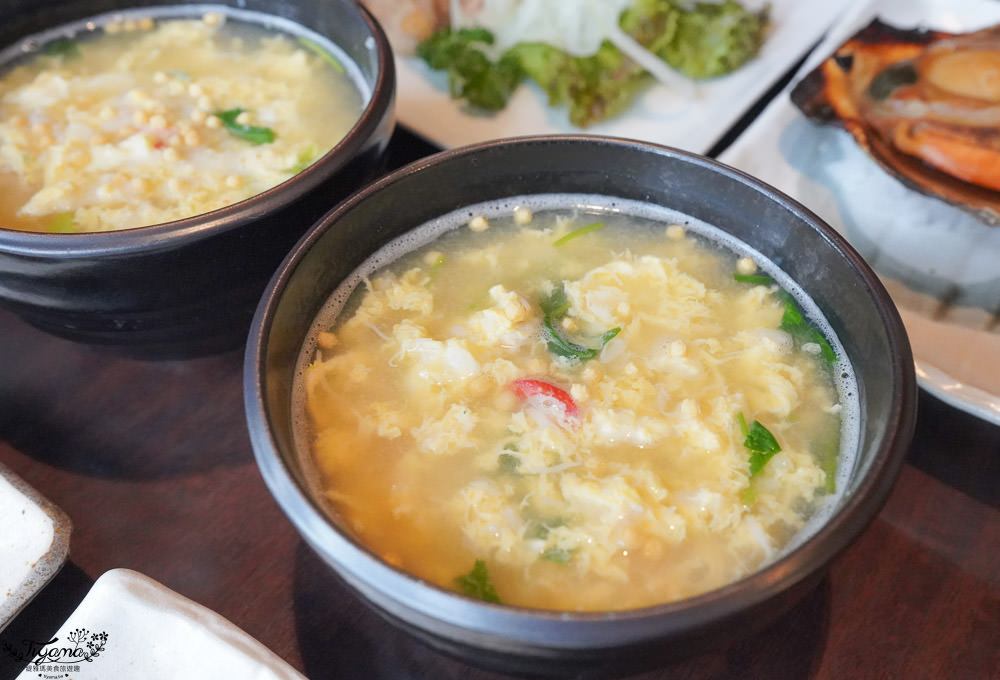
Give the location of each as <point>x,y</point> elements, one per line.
<point>446,613</point>
<point>169,235</point>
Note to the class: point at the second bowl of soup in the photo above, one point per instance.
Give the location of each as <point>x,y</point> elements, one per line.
<point>158,161</point>
<point>596,396</point>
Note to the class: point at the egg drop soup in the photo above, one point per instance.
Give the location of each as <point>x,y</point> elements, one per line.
<point>142,121</point>
<point>576,409</point>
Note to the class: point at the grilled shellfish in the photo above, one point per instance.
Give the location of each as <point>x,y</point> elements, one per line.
<point>924,104</point>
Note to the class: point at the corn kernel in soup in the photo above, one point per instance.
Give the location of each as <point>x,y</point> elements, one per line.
<point>574,411</point>
<point>150,121</point>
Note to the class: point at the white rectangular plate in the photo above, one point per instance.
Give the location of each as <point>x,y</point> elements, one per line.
<point>939,264</point>
<point>659,115</point>
<point>33,543</point>
<point>131,626</point>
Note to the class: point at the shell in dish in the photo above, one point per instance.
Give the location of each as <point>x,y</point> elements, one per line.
<point>924,104</point>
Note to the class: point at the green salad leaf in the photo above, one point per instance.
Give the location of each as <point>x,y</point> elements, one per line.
<point>592,88</point>
<point>477,584</point>
<point>701,40</point>
<point>471,74</point>
<point>708,40</point>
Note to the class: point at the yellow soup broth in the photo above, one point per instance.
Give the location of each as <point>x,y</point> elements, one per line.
<point>147,121</point>
<point>563,399</point>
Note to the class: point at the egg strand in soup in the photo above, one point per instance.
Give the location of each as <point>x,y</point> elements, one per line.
<point>146,121</point>
<point>574,411</point>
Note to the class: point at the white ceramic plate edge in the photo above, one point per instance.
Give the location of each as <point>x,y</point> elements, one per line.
<point>44,564</point>
<point>134,626</point>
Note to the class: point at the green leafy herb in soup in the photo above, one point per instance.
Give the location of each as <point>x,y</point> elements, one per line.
<point>150,121</point>
<point>574,411</point>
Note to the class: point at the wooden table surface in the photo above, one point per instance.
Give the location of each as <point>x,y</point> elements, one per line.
<point>152,462</point>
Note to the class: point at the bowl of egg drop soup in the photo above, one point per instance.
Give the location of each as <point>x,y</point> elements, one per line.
<point>561,405</point>
<point>160,159</point>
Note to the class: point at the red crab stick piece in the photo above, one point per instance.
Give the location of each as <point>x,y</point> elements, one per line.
<point>547,394</point>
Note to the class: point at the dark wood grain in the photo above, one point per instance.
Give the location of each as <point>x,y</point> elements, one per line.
<point>152,462</point>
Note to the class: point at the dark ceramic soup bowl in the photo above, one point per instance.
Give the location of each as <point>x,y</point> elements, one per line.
<point>546,642</point>
<point>190,286</point>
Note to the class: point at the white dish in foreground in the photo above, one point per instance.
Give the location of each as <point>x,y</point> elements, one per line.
<point>939,264</point>
<point>33,544</point>
<point>659,115</point>
<point>130,626</point>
